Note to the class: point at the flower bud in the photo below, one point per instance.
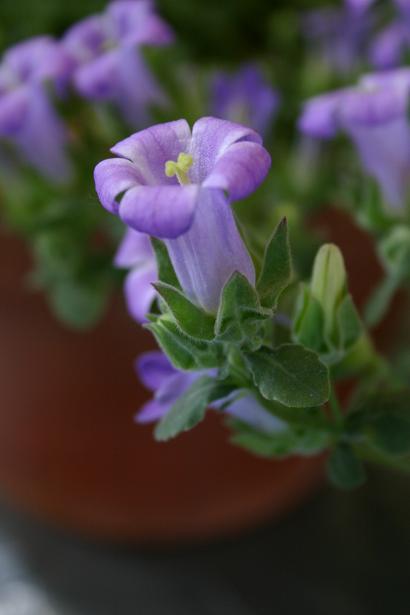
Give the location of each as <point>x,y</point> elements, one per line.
<point>328,284</point>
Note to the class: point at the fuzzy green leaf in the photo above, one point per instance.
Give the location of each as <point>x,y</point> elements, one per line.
<point>291,375</point>
<point>184,352</point>
<point>239,315</point>
<point>276,270</point>
<point>190,408</point>
<point>190,318</point>
<point>166,273</point>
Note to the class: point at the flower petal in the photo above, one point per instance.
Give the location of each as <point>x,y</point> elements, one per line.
<point>172,388</point>
<point>37,59</point>
<point>153,369</point>
<point>13,111</point>
<point>245,97</point>
<point>385,152</point>
<point>160,211</point>
<point>136,87</point>
<point>388,47</point>
<point>42,138</point>
<point>249,411</point>
<point>151,411</point>
<point>112,177</point>
<point>85,40</point>
<point>320,115</point>
<point>98,79</point>
<point>211,138</point>
<point>139,292</point>
<point>151,148</point>
<point>134,249</point>
<point>136,23</point>
<point>240,170</point>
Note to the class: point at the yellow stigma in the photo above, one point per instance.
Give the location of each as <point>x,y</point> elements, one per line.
<point>179,168</point>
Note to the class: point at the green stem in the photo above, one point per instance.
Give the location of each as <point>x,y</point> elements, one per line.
<point>374,456</point>
<point>335,408</point>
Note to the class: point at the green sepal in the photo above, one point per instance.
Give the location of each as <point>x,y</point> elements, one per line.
<point>166,273</point>
<point>191,407</point>
<point>345,470</point>
<point>276,272</point>
<point>309,321</point>
<point>290,374</point>
<point>239,315</point>
<point>191,319</point>
<point>184,352</point>
<point>350,326</point>
<point>309,327</point>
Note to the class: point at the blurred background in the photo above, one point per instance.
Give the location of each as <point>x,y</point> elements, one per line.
<point>97,519</point>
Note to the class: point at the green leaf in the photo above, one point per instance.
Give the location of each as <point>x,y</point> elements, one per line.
<point>166,273</point>
<point>390,434</point>
<point>290,374</point>
<point>184,352</point>
<point>384,421</point>
<point>349,323</point>
<point>239,315</point>
<point>78,305</point>
<point>190,318</point>
<point>344,468</point>
<point>380,300</point>
<point>276,270</point>
<point>190,408</point>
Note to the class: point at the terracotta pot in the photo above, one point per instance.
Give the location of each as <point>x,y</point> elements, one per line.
<point>71,454</point>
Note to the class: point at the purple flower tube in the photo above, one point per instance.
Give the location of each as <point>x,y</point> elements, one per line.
<point>374,115</point>
<point>174,184</point>
<point>168,384</point>
<point>108,63</point>
<point>27,117</point>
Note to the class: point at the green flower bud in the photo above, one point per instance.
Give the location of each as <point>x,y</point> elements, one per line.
<point>328,285</point>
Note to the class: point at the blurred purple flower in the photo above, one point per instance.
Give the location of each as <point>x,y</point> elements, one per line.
<point>27,117</point>
<point>403,5</point>
<point>374,115</point>
<point>339,35</point>
<point>168,384</point>
<point>135,253</point>
<point>245,97</point>
<point>359,5</point>
<point>392,42</point>
<point>109,64</point>
<point>177,185</point>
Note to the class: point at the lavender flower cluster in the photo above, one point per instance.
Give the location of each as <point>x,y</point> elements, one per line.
<point>99,57</point>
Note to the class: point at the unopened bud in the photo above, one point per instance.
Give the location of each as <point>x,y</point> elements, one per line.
<point>328,284</point>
